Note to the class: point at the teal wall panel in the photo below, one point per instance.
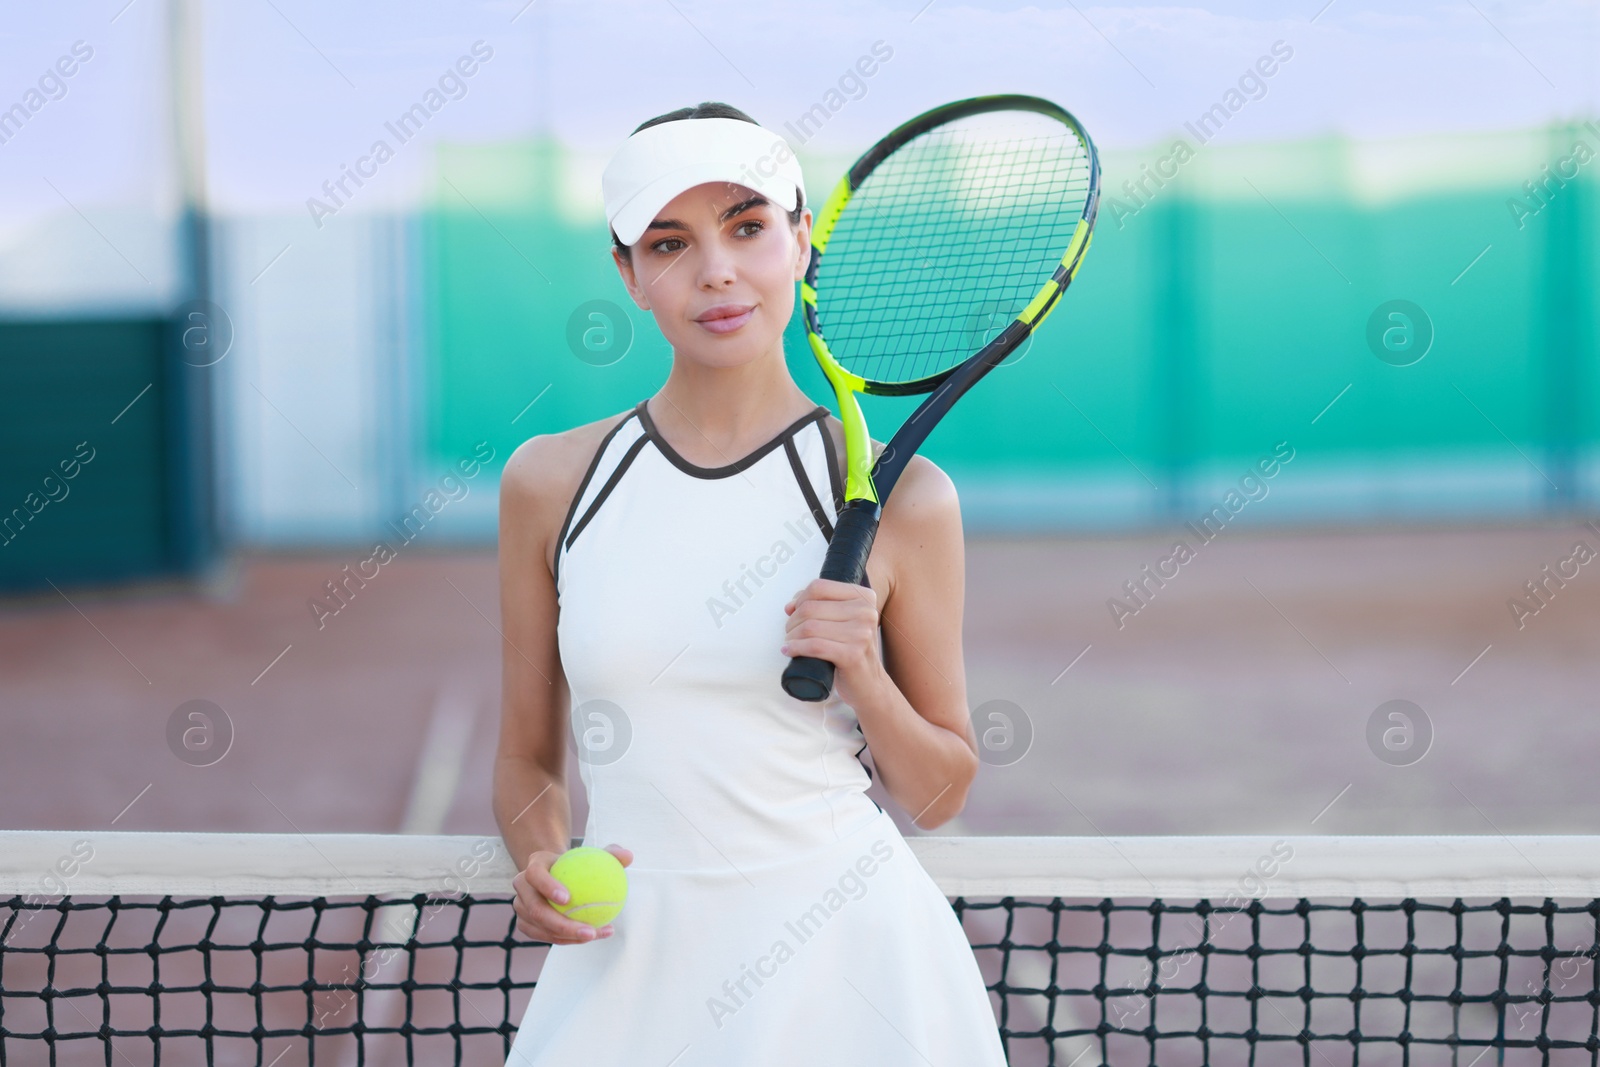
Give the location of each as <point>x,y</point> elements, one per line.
<point>84,452</point>
<point>1221,317</point>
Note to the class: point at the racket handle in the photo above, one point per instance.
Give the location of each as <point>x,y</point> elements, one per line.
<point>807,677</point>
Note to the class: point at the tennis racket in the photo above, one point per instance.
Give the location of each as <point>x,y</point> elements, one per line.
<point>971,216</point>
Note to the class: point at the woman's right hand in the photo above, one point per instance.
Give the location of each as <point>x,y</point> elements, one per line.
<point>536,887</point>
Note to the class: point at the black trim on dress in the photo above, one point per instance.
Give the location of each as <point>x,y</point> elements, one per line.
<point>577,498</point>
<point>833,464</point>
<point>864,766</point>
<point>729,469</point>
<point>808,491</point>
<point>611,483</point>
<point>821,415</point>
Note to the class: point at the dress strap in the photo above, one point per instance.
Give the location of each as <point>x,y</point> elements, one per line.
<point>810,482</point>
<point>804,478</point>
<point>615,454</point>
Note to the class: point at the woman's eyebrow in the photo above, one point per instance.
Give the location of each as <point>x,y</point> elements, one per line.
<point>739,208</point>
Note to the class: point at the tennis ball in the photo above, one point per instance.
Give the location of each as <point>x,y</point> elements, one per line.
<point>597,882</point>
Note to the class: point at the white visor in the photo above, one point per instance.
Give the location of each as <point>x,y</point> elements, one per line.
<point>657,163</point>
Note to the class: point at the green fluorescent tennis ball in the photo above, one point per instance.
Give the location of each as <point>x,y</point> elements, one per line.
<point>597,881</point>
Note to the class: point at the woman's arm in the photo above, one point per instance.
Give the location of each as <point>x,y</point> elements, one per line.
<point>912,699</point>
<point>530,797</point>
<point>531,803</point>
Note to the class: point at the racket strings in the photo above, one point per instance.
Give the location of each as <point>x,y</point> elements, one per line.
<point>967,239</point>
<point>947,240</point>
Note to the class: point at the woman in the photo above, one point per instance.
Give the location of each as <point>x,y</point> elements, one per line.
<point>662,563</point>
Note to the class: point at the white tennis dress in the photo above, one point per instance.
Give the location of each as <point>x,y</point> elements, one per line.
<point>775,914</point>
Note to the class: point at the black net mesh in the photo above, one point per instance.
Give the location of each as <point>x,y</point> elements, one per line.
<point>263,980</point>
<point>444,980</point>
<point>1310,982</point>
<point>947,240</point>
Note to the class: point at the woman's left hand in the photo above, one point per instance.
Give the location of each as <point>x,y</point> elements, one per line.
<point>838,622</point>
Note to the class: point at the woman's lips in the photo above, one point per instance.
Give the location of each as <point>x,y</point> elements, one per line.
<point>727,323</point>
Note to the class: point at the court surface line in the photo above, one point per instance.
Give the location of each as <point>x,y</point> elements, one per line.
<point>434,783</point>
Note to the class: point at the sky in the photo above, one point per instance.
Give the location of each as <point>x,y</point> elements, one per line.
<point>295,90</point>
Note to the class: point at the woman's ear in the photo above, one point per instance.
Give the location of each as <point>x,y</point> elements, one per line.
<point>625,268</point>
<point>803,238</point>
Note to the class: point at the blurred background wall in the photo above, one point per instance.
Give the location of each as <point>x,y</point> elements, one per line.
<point>1362,234</point>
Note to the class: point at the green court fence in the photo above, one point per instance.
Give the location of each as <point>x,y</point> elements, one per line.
<point>1237,300</point>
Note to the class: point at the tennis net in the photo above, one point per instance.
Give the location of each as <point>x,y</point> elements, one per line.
<point>282,950</point>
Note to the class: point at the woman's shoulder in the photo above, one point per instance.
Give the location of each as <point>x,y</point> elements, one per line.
<point>546,471</point>
<point>556,458</point>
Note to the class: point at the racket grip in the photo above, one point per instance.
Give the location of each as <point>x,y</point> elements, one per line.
<point>807,677</point>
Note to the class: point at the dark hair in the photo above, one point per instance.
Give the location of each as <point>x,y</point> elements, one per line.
<point>709,109</point>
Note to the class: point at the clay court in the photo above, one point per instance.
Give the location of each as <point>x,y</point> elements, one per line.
<point>1235,702</point>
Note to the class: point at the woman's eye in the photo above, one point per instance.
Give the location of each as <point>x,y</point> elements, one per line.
<point>660,246</point>
<point>752,222</point>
